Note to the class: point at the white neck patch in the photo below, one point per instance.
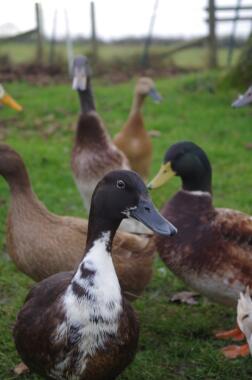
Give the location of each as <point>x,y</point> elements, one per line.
<point>198,193</point>
<point>92,303</point>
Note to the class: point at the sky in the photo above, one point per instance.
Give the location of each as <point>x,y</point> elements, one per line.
<point>120,18</point>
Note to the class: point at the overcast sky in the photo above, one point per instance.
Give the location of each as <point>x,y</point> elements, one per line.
<point>117,18</point>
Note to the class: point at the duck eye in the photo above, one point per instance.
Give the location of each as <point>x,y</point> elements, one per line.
<point>120,184</point>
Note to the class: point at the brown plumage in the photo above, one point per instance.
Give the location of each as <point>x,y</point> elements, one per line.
<point>42,243</point>
<point>212,251</point>
<point>133,139</point>
<point>34,336</point>
<point>94,154</point>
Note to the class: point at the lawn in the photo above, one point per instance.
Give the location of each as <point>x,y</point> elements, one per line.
<point>176,340</point>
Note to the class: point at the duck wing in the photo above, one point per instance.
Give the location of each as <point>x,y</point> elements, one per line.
<point>235,227</point>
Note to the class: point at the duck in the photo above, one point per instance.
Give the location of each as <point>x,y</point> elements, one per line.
<point>41,243</point>
<point>7,100</point>
<point>78,325</point>
<point>212,252</point>
<point>243,100</point>
<point>94,154</point>
<point>244,322</point>
<point>133,139</point>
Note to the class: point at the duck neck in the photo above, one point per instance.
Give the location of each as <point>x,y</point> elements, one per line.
<point>87,102</point>
<point>98,226</point>
<point>95,281</point>
<point>198,184</point>
<point>137,104</point>
<point>19,181</point>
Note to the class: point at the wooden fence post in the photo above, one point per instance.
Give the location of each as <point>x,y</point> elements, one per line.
<point>93,30</point>
<point>39,53</point>
<point>232,37</point>
<point>69,45</point>
<point>53,39</point>
<point>212,36</point>
<point>145,57</point>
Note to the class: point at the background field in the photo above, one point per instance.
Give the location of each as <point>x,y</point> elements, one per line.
<point>24,52</point>
<point>176,340</point>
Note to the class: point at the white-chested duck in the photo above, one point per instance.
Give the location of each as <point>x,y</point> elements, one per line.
<point>94,154</point>
<point>212,252</point>
<point>42,243</point>
<point>7,100</point>
<point>79,326</point>
<point>133,139</point>
<point>243,100</point>
<point>244,321</point>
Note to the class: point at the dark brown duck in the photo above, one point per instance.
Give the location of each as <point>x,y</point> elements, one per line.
<point>79,326</point>
<point>213,250</point>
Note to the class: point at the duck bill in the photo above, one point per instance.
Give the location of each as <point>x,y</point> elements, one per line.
<point>164,175</point>
<point>147,214</point>
<point>7,100</point>
<point>241,101</point>
<point>155,95</point>
<point>79,80</point>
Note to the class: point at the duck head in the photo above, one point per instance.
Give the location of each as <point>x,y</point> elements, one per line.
<point>145,86</point>
<point>188,161</point>
<point>7,100</point>
<point>81,73</point>
<point>243,100</point>
<point>122,194</point>
<point>12,168</point>
<point>82,84</point>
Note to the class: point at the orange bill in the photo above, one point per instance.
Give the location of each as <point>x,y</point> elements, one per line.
<point>7,100</point>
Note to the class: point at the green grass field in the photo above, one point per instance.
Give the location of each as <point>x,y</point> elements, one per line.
<point>176,340</point>
<point>193,57</point>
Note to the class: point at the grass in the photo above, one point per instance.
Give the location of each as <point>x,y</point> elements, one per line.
<point>193,57</point>
<point>176,340</point>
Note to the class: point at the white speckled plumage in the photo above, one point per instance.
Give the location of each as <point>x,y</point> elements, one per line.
<point>244,316</point>
<point>82,313</point>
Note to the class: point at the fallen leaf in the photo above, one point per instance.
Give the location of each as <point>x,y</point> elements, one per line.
<point>185,297</point>
<point>154,133</point>
<point>21,369</point>
<point>248,146</point>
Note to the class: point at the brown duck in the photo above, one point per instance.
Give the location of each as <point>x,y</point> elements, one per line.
<point>94,154</point>
<point>42,243</point>
<point>79,326</point>
<point>133,139</point>
<point>212,252</point>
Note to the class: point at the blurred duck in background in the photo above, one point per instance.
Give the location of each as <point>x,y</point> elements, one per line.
<point>7,100</point>
<point>133,139</point>
<point>243,100</point>
<point>42,243</point>
<point>212,252</point>
<point>94,154</point>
